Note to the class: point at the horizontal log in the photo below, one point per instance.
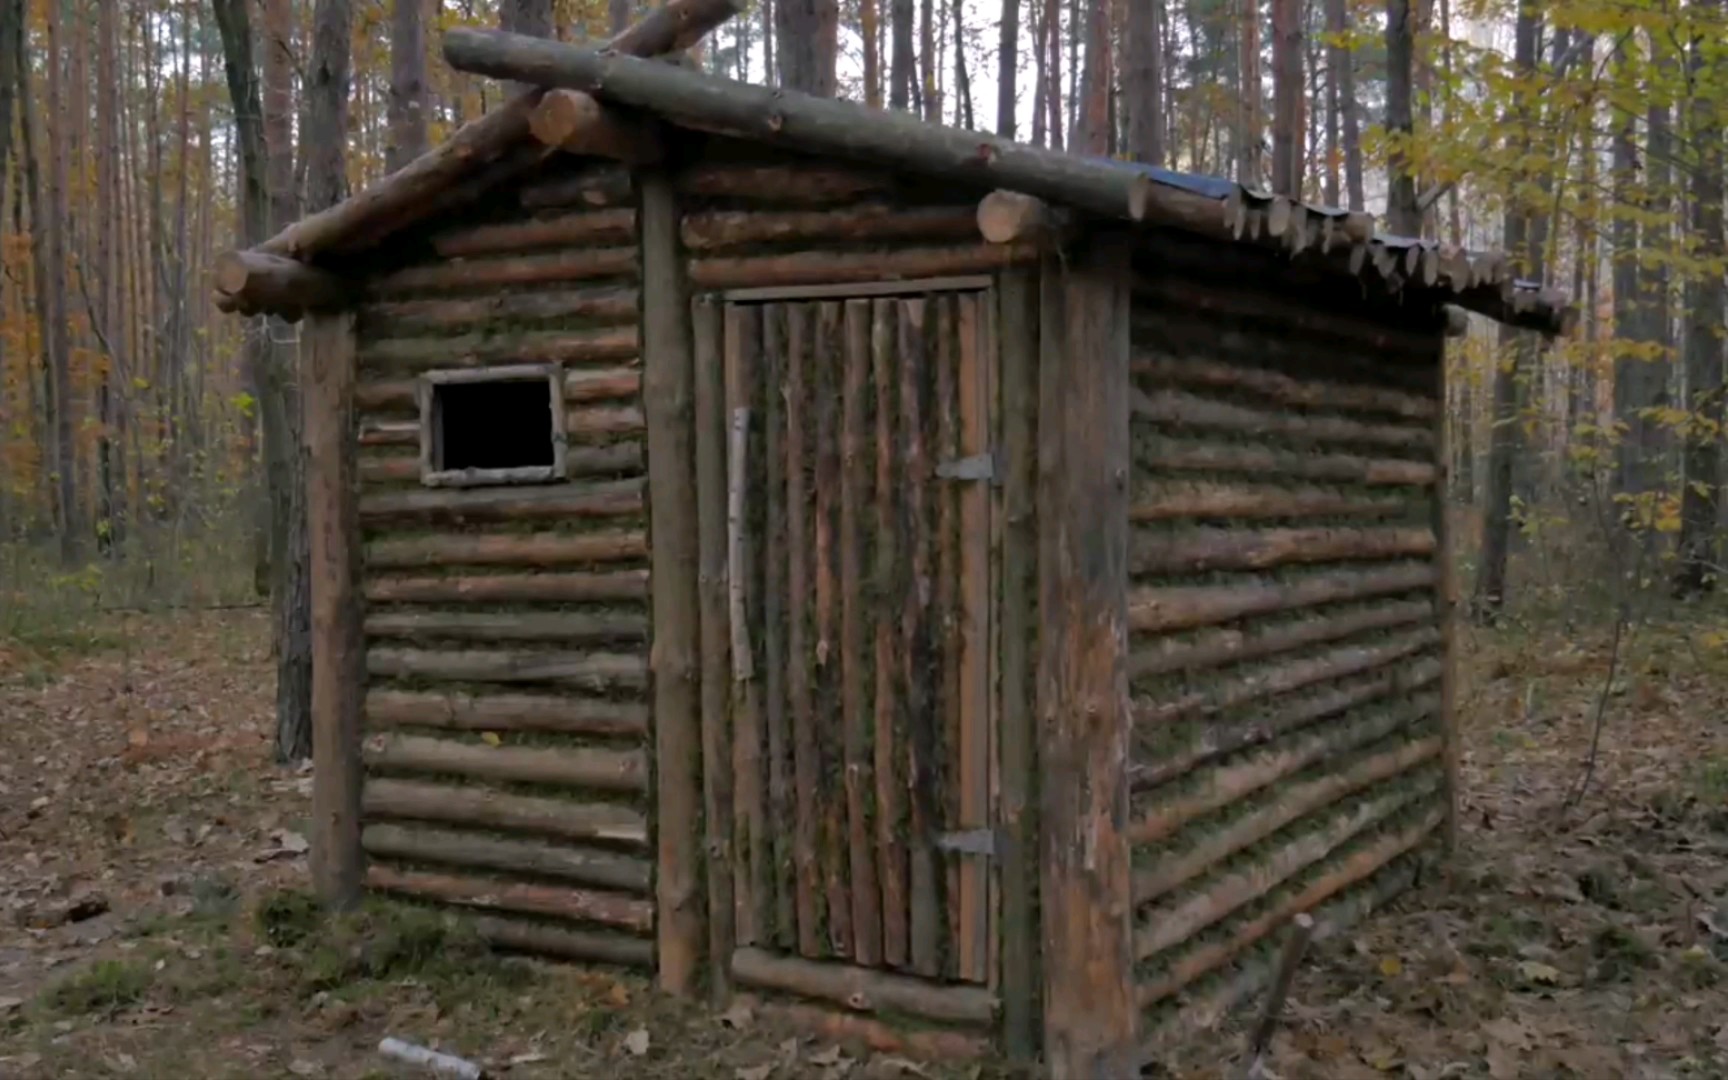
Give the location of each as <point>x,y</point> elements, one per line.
<point>391,201</point>
<point>617,498</point>
<point>842,1027</point>
<point>253,281</point>
<point>1255,300</point>
<point>1159,759</point>
<point>475,350</point>
<point>808,267</point>
<point>589,866</point>
<point>719,229</point>
<point>600,228</point>
<point>1172,869</point>
<point>1235,646</point>
<point>506,549</point>
<point>605,459</point>
<point>594,670</point>
<point>1164,453</point>
<point>576,123</point>
<point>862,989</point>
<point>480,807</point>
<point>449,313</point>
<point>781,184</point>
<point>783,117</point>
<point>596,186</point>
<point>565,944</point>
<point>604,423</point>
<point>568,587</point>
<point>1278,387</point>
<point>1166,926</point>
<point>1007,217</point>
<point>1183,410</point>
<point>1205,1010</point>
<point>1200,550</point>
<point>583,766</point>
<point>389,468</point>
<point>1159,816</point>
<point>387,395</point>
<point>1360,864</point>
<point>1172,501</point>
<point>498,271</point>
<point>504,712</point>
<point>1163,609</point>
<point>385,433</point>
<point>488,626</point>
<point>617,384</point>
<point>1286,676</point>
<point>584,905</point>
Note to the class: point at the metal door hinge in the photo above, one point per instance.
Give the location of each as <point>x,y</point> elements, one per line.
<point>976,467</point>
<point>969,842</point>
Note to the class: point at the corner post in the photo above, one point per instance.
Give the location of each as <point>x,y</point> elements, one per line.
<point>668,377</point>
<point>338,663</point>
<point>1445,591</point>
<point>1090,1016</point>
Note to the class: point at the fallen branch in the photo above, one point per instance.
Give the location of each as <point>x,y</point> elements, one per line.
<point>1301,930</point>
<point>441,1064</point>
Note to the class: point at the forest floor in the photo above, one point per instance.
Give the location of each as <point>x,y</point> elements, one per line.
<point>153,920</point>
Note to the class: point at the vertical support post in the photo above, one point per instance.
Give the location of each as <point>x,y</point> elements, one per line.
<point>1445,593</point>
<point>1017,318</point>
<point>667,390</point>
<point>1090,1018</point>
<point>711,493</point>
<point>338,667</point>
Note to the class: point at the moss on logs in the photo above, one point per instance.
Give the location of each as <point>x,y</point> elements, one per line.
<point>478,806</point>
<point>582,767</point>
<point>562,587</point>
<point>554,713</point>
<point>589,866</point>
<point>584,905</point>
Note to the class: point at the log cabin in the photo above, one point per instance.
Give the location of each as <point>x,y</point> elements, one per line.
<point>968,596</point>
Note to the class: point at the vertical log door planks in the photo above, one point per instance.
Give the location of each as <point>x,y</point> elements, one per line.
<point>859,514</point>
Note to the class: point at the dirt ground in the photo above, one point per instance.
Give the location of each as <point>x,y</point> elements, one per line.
<point>152,921</point>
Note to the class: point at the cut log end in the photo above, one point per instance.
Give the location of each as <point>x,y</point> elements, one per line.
<point>253,281</point>
<point>1006,217</point>
<point>578,124</point>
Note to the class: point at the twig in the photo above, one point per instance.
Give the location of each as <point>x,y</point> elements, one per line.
<point>1301,929</point>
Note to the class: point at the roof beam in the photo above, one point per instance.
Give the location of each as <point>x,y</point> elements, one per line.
<point>574,122</point>
<point>253,281</point>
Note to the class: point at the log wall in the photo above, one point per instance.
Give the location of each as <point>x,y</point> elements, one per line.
<point>506,628</point>
<point>1286,653</point>
<point>848,710</point>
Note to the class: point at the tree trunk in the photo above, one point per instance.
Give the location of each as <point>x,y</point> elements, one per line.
<point>11,52</point>
<point>1332,192</point>
<point>1007,67</point>
<point>1403,216</point>
<point>56,334</point>
<point>1143,84</point>
<point>1506,438</point>
<point>1343,62</point>
<point>109,317</point>
<point>900,75</point>
<point>1286,98</point>
<point>1700,497</point>
<point>1248,138</point>
<point>930,96</point>
<point>963,114</point>
<point>531,17</point>
<point>870,29</point>
<point>1092,133</point>
<point>407,84</point>
<point>617,16</point>
<point>808,32</point>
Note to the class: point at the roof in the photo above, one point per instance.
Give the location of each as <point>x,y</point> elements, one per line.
<point>502,146</point>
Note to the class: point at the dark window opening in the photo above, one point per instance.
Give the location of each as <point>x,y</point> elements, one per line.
<point>494,425</point>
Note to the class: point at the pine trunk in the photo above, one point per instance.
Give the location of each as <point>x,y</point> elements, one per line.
<point>1403,217</point>
<point>1344,62</point>
<point>1286,98</point>
<point>900,74</point>
<point>1700,497</point>
<point>56,333</point>
<point>1506,438</point>
<point>1092,133</point>
<point>1248,137</point>
<point>1007,67</point>
<point>407,83</point>
<point>1143,84</point>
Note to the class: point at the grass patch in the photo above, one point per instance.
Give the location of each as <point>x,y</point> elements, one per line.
<point>106,986</point>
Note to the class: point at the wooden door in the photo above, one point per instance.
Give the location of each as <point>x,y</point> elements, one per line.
<point>861,520</point>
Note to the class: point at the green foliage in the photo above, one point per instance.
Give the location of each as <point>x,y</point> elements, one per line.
<point>105,986</point>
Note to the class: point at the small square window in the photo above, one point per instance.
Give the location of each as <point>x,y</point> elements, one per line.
<point>491,426</point>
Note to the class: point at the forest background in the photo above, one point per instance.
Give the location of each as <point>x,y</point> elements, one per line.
<point>149,447</point>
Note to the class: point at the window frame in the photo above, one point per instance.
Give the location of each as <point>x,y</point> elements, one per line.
<point>432,434</point>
